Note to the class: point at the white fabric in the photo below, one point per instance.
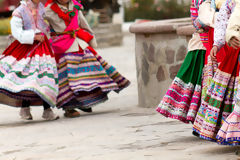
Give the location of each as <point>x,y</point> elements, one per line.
<point>195,43</point>
<point>237,108</point>
<point>233,27</point>
<point>221,25</point>
<point>206,14</point>
<point>74,47</point>
<point>23,36</point>
<point>23,2</point>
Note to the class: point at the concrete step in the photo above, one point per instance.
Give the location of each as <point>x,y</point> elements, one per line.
<point>108,35</point>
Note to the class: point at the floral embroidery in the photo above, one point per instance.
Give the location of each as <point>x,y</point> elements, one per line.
<point>221,23</point>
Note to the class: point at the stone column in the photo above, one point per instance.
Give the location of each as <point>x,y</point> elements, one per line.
<point>161,47</point>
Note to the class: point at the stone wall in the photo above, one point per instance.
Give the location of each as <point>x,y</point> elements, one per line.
<point>161,47</point>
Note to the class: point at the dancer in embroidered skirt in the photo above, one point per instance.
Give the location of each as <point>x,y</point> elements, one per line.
<point>219,100</point>
<point>183,97</point>
<point>230,130</point>
<point>28,73</point>
<point>85,78</point>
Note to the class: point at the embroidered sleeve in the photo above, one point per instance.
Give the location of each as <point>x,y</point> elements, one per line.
<point>194,15</point>
<point>16,14</point>
<point>221,25</point>
<point>41,9</point>
<point>41,16</point>
<point>193,12</point>
<point>23,36</point>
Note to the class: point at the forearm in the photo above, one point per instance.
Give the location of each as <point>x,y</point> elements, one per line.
<point>23,36</point>
<point>221,26</point>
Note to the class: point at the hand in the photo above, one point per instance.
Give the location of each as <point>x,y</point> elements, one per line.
<point>39,37</point>
<point>234,42</point>
<point>213,53</point>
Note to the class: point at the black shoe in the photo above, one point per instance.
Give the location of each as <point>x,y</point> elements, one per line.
<point>195,134</point>
<point>88,110</point>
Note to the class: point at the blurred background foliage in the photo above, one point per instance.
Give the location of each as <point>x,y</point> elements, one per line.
<point>5,26</point>
<point>136,9</point>
<point>156,9</point>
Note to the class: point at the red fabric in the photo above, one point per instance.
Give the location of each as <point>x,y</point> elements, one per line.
<point>221,54</point>
<point>48,2</point>
<point>65,16</point>
<point>84,35</point>
<point>61,14</point>
<point>19,51</point>
<point>228,56</point>
<point>230,63</point>
<point>92,50</point>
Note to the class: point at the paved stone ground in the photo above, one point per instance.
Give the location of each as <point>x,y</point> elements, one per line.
<point>117,130</point>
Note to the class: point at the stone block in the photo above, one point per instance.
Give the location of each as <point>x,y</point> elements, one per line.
<point>181,53</point>
<point>151,53</point>
<point>145,47</point>
<point>145,74</point>
<point>173,70</point>
<point>160,56</point>
<point>160,74</point>
<point>170,55</point>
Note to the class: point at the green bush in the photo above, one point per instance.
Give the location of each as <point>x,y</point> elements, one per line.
<point>5,28</point>
<point>164,9</point>
<point>1,2</point>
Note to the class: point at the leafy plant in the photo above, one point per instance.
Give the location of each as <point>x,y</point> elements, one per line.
<point>5,28</point>
<point>156,10</point>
